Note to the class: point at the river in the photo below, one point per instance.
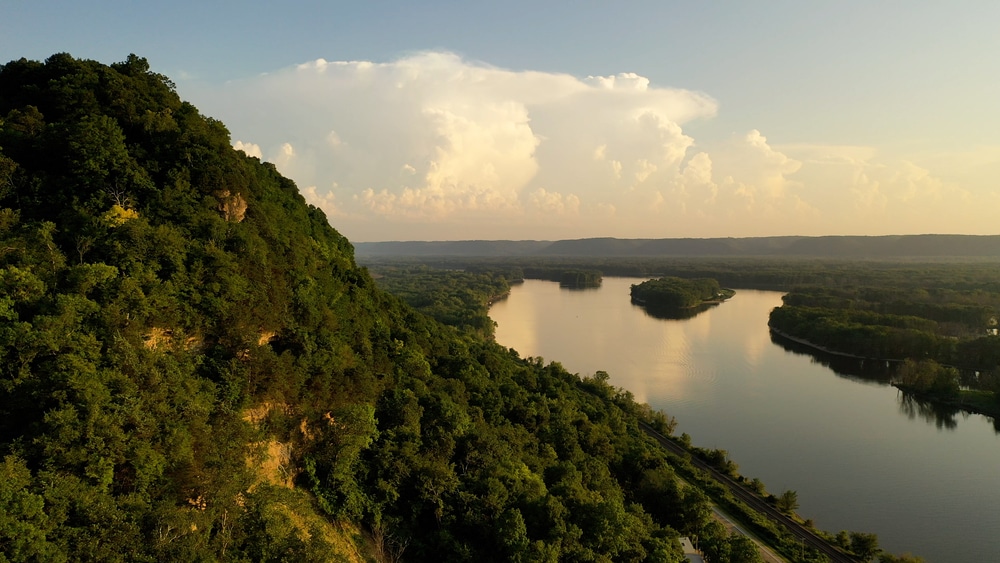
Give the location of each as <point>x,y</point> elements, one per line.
<point>860,456</point>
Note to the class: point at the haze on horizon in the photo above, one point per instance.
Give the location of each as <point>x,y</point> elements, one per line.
<point>538,121</point>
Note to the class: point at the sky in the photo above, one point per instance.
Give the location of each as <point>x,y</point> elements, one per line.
<point>540,120</point>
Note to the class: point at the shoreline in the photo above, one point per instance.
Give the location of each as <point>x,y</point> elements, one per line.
<point>826,350</point>
<point>959,403</point>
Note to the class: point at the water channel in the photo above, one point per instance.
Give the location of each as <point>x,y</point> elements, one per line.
<point>860,456</point>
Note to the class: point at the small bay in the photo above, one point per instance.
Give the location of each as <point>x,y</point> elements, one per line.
<point>860,456</point>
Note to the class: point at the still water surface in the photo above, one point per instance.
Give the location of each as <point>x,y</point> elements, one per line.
<point>860,457</point>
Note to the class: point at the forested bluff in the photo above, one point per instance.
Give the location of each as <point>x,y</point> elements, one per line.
<point>195,368</point>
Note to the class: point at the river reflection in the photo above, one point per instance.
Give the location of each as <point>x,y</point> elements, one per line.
<point>856,369</point>
<point>861,455</point>
<point>880,372</point>
<point>944,417</point>
<point>941,416</point>
<point>674,314</point>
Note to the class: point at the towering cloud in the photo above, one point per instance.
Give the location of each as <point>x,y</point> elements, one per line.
<point>434,146</point>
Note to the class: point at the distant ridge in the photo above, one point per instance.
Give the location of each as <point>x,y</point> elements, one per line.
<point>893,246</point>
<point>453,248</point>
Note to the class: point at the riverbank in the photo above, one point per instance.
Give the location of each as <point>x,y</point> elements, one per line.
<point>824,349</point>
<point>724,295</point>
<point>971,401</point>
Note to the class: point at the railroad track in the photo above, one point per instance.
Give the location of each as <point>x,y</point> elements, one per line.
<point>802,533</point>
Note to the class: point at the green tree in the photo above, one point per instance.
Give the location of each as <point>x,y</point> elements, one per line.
<point>346,432</point>
<point>24,524</point>
<point>788,501</point>
<point>743,550</point>
<point>865,545</point>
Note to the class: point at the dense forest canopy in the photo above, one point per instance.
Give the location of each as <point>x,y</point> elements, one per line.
<point>675,293</point>
<point>951,326</point>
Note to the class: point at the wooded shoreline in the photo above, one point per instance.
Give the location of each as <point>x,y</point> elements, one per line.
<point>966,400</point>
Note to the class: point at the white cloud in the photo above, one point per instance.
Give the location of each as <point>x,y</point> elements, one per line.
<point>284,159</point>
<point>484,155</point>
<point>434,137</point>
<point>432,143</point>
<point>623,81</point>
<point>644,169</point>
<point>698,170</point>
<point>325,201</point>
<point>249,148</point>
<point>751,160</point>
<point>551,203</point>
<point>866,191</point>
<point>696,179</point>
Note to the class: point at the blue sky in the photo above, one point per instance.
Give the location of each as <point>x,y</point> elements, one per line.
<point>459,120</point>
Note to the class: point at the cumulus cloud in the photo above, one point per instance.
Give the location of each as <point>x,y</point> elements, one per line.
<point>435,145</point>
<point>437,138</point>
<point>867,191</point>
<point>249,148</point>
<point>625,80</point>
<point>552,203</point>
<point>325,200</point>
<point>751,161</point>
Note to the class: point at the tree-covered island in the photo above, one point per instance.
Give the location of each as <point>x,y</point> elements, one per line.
<point>580,279</point>
<point>678,293</point>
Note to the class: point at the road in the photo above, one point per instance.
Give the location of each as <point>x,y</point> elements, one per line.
<point>800,532</point>
<point>766,553</point>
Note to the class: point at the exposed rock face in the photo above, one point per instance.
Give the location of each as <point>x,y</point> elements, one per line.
<point>232,206</point>
<point>266,337</point>
<point>162,339</point>
<point>157,338</point>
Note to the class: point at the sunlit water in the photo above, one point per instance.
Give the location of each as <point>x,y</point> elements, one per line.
<point>860,457</point>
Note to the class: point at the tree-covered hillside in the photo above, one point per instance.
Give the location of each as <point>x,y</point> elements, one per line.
<point>194,368</point>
